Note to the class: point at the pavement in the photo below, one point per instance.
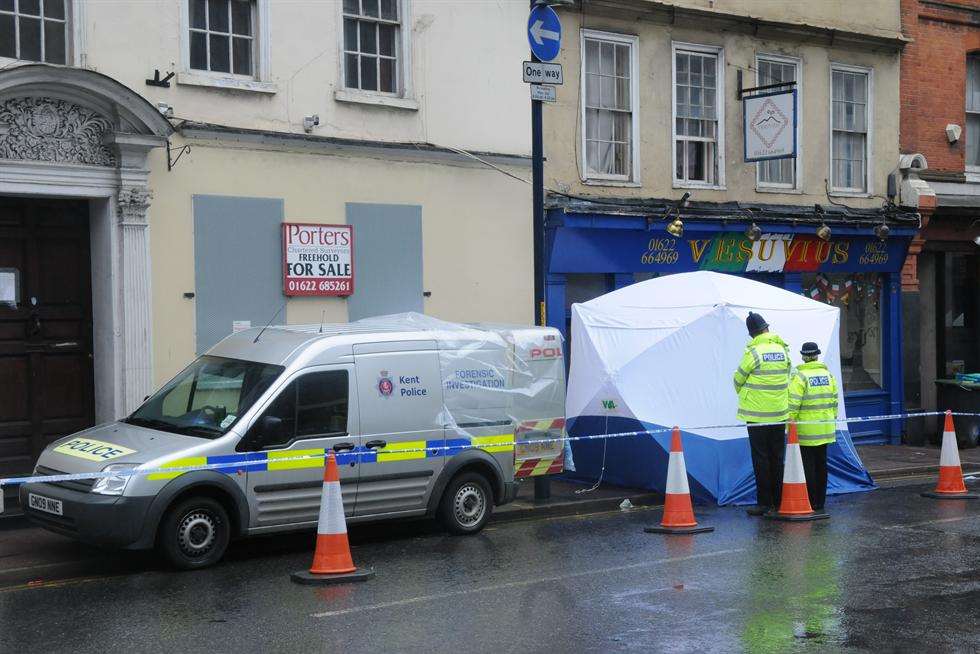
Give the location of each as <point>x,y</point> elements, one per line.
<point>890,571</point>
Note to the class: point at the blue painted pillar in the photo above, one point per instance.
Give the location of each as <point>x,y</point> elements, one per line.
<point>554,298</point>
<point>622,279</point>
<point>892,352</point>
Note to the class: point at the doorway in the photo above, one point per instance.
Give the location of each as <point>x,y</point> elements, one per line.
<point>46,365</point>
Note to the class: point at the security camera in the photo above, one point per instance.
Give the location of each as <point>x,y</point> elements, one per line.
<point>309,122</point>
<point>907,162</point>
<point>953,132</point>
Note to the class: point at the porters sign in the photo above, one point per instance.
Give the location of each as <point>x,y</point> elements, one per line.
<point>317,259</point>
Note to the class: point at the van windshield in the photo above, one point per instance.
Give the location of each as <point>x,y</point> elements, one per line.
<point>207,398</point>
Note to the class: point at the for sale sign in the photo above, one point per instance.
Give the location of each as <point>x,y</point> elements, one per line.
<point>317,259</point>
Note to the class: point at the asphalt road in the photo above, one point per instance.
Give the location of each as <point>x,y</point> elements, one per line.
<point>889,572</point>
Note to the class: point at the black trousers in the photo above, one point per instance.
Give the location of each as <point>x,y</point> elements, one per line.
<point>815,469</point>
<point>768,445</point>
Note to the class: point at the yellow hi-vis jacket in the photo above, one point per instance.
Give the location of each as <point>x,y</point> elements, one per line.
<point>813,396</point>
<point>762,379</point>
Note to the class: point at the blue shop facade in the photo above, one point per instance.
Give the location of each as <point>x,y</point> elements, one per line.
<point>851,258</point>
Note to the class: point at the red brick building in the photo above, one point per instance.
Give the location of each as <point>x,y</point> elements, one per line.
<point>940,118</point>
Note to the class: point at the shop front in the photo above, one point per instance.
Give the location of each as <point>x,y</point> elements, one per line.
<point>595,248</point>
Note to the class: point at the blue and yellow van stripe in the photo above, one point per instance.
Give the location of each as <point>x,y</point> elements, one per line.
<point>280,460</point>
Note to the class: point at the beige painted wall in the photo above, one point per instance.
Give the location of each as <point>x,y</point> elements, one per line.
<point>476,232</point>
<point>563,123</point>
<point>466,59</point>
<point>871,16</point>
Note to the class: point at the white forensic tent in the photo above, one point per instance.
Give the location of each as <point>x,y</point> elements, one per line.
<point>661,353</point>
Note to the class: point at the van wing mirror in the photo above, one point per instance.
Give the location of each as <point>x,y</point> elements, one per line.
<point>270,426</point>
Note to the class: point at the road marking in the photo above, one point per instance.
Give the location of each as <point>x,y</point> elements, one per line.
<point>523,582</point>
<point>929,522</point>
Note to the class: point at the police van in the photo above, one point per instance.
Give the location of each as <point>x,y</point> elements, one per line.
<point>425,417</point>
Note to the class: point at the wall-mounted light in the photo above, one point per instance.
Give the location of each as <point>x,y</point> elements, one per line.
<point>676,227</point>
<point>882,231</point>
<point>823,232</point>
<point>753,233</point>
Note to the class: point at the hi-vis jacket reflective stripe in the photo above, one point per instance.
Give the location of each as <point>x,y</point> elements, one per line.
<point>762,379</point>
<point>813,396</point>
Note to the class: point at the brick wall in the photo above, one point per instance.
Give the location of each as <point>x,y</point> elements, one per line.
<point>933,77</point>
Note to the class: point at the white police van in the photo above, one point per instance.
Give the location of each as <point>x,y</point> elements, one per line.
<point>423,416</point>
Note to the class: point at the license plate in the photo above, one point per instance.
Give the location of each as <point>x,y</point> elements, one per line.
<point>45,504</point>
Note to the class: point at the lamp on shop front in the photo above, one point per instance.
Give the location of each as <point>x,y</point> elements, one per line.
<point>676,227</point>
<point>823,232</point>
<point>753,233</point>
<point>882,231</point>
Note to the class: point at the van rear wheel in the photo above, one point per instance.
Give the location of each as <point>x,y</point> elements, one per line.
<point>194,533</point>
<point>466,503</point>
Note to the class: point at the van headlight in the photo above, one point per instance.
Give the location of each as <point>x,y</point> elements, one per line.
<point>114,485</point>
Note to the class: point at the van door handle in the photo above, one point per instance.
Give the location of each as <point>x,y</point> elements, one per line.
<point>341,447</point>
<point>376,444</point>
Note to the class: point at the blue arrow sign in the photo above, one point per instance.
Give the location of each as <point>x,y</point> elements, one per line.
<point>544,32</point>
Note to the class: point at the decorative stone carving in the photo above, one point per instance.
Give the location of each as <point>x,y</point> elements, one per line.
<point>133,202</point>
<point>45,129</point>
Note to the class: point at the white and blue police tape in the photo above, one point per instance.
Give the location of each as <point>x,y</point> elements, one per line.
<point>245,463</point>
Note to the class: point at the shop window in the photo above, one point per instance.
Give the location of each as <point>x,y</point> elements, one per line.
<point>222,36</point>
<point>960,313</point>
<point>858,296</point>
<point>609,105</point>
<point>698,119</point>
<point>33,30</point>
<point>973,112</point>
<point>777,173</point>
<point>372,31</point>
<point>850,124</point>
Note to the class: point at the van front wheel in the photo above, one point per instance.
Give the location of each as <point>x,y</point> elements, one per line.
<point>194,533</point>
<point>466,504</point>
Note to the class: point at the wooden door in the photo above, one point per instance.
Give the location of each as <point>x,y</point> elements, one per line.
<point>46,379</point>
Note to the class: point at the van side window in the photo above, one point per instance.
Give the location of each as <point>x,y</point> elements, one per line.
<point>312,405</point>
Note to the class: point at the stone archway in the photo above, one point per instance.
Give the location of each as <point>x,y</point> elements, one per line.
<point>68,132</point>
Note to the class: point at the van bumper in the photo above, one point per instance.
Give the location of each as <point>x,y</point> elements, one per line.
<point>105,520</point>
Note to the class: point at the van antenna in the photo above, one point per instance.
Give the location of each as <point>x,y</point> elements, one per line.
<point>257,336</point>
<point>322,318</point>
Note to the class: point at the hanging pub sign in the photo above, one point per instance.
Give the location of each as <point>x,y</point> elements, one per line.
<point>317,259</point>
<point>769,124</point>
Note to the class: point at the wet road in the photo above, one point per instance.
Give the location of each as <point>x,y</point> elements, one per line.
<point>889,572</point>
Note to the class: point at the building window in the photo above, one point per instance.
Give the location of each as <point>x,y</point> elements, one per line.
<point>222,36</point>
<point>849,116</point>
<point>858,296</point>
<point>777,173</point>
<point>371,45</point>
<point>973,112</point>
<point>33,30</point>
<point>698,116</point>
<point>609,106</point>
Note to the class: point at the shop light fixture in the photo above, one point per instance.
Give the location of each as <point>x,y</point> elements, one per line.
<point>823,232</point>
<point>753,233</point>
<point>882,231</point>
<point>676,227</point>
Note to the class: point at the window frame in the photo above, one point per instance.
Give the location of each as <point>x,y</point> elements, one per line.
<point>74,39</point>
<point>404,97</point>
<point>633,179</point>
<point>258,81</point>
<point>967,167</point>
<point>797,185</point>
<point>868,191</point>
<point>719,52</point>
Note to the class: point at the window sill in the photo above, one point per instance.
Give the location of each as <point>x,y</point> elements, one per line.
<point>703,187</point>
<point>848,194</point>
<point>972,174</point>
<point>228,83</point>
<point>622,183</point>
<point>779,189</point>
<point>375,99</point>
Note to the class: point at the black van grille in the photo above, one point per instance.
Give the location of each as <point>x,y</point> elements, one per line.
<point>81,485</point>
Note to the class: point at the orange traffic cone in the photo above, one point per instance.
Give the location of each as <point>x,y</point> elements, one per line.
<point>795,502</point>
<point>950,486</point>
<point>332,563</point>
<point>678,511</point>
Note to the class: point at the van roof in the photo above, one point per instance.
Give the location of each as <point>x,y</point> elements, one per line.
<point>279,344</point>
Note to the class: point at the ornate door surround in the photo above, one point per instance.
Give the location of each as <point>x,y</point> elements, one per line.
<point>68,132</point>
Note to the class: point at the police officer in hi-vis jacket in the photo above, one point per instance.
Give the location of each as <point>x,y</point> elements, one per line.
<point>813,397</point>
<point>761,381</point>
